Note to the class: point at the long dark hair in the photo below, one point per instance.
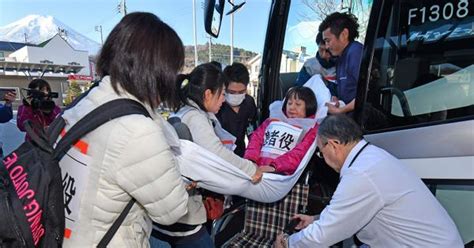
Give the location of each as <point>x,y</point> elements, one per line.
<point>143,54</point>
<point>305,94</point>
<point>203,77</point>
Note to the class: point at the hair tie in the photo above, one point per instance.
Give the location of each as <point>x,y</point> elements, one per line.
<point>185,81</point>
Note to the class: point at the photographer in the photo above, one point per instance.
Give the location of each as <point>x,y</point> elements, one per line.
<point>38,106</point>
<point>6,112</point>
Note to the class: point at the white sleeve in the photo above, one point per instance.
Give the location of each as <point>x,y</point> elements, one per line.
<point>353,205</point>
<point>204,135</point>
<point>148,171</point>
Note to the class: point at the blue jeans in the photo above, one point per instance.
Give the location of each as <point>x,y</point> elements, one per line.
<point>156,243</point>
<point>203,241</point>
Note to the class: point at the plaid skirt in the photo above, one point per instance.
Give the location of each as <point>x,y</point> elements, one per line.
<point>264,221</point>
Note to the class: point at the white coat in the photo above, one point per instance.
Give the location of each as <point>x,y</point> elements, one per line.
<point>128,157</point>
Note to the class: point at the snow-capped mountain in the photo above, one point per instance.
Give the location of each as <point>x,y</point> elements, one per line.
<point>41,28</point>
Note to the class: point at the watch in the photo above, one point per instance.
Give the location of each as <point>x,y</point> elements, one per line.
<point>273,166</point>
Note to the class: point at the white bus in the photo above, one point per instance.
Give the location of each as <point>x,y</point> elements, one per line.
<point>415,91</point>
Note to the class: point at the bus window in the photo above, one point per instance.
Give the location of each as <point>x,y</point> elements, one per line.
<point>423,64</point>
<point>299,42</point>
<point>458,200</point>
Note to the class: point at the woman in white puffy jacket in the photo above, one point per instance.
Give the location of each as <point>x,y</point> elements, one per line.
<point>129,156</point>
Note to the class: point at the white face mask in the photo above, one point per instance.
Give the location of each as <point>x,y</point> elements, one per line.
<point>234,99</point>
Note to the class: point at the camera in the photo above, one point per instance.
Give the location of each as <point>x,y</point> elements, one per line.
<point>42,101</point>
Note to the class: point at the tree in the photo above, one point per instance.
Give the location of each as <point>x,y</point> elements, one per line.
<point>72,92</point>
<point>220,53</point>
<point>318,10</point>
<point>362,11</point>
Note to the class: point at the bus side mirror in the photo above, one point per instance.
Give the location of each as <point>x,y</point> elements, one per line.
<point>213,12</point>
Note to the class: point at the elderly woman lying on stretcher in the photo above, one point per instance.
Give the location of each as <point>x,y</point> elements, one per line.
<point>282,140</point>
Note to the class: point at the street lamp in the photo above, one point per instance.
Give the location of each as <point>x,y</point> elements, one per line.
<point>210,51</point>
<point>195,35</point>
<point>231,13</point>
<point>122,7</point>
<point>98,28</point>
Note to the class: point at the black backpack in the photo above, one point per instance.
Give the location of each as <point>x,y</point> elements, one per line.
<point>31,191</point>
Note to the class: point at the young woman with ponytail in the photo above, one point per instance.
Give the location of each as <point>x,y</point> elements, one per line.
<point>201,94</point>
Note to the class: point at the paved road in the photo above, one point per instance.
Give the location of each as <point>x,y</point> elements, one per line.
<point>10,135</point>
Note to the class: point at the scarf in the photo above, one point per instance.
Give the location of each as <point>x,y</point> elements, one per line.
<point>326,64</point>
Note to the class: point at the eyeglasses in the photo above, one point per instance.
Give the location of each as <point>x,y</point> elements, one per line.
<point>318,152</point>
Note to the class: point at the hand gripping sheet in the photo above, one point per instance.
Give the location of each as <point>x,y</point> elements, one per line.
<point>215,174</point>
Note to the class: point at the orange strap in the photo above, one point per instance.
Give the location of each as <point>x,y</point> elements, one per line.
<point>80,145</point>
<point>67,233</point>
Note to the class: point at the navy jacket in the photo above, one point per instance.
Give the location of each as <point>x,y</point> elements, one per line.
<point>6,113</point>
<point>347,71</point>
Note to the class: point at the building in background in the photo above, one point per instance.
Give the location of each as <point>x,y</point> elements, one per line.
<point>54,60</point>
<point>291,63</point>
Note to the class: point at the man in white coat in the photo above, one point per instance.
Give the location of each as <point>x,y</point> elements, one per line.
<point>379,199</point>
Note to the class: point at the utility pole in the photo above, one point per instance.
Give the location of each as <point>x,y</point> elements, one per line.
<point>195,35</point>
<point>63,33</point>
<point>210,52</point>
<point>231,35</point>
<point>98,28</point>
<point>26,37</point>
<point>122,7</point>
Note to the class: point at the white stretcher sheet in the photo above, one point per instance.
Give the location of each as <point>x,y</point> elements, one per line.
<point>322,95</point>
<point>217,175</point>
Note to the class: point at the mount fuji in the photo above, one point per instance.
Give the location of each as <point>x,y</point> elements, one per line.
<point>38,29</point>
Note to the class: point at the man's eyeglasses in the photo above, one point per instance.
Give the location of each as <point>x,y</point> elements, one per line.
<point>318,151</point>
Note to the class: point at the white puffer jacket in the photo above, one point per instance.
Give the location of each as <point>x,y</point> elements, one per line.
<point>128,157</point>
<point>202,130</point>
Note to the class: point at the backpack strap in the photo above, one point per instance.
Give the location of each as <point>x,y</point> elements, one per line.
<point>55,128</point>
<point>181,129</point>
<point>116,225</point>
<point>100,115</point>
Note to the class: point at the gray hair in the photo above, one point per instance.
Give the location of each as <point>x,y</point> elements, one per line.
<point>339,127</point>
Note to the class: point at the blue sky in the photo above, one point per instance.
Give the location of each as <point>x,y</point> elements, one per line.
<point>84,15</point>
